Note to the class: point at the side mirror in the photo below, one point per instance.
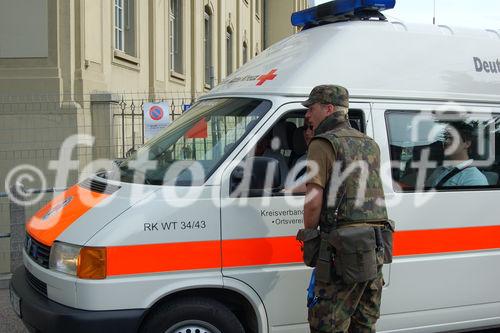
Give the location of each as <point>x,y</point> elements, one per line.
<point>256,176</point>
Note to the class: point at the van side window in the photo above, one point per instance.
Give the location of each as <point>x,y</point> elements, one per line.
<point>286,143</point>
<point>357,120</point>
<point>444,151</point>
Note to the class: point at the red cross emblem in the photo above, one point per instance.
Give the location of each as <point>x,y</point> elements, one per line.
<point>269,76</point>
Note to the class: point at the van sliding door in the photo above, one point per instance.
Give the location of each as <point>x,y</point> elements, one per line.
<point>446,267</point>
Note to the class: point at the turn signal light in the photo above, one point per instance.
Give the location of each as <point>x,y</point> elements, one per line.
<point>92,263</point>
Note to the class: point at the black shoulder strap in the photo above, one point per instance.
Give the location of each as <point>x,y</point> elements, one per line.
<point>327,227</point>
<point>451,174</point>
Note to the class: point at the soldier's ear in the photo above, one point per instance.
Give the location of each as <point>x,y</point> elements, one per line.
<point>331,108</point>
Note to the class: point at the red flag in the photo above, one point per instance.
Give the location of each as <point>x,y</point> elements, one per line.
<point>198,131</point>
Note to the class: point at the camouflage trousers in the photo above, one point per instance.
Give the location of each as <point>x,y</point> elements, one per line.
<point>353,308</point>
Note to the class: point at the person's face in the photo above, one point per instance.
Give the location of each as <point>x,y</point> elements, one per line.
<point>454,146</point>
<point>317,112</point>
<point>308,132</point>
<point>261,146</point>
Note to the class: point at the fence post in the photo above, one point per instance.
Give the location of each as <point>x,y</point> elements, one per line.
<point>4,256</point>
<point>103,130</point>
<point>17,229</point>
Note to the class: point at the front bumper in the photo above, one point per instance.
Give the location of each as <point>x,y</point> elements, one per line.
<point>40,314</point>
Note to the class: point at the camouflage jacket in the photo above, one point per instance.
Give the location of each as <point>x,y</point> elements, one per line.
<point>354,193</point>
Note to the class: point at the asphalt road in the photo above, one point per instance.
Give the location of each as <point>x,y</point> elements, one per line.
<point>10,323</point>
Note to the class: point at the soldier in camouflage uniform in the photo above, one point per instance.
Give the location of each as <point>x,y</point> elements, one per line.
<point>342,307</point>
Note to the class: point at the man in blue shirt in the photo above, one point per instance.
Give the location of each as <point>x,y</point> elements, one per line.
<point>458,170</point>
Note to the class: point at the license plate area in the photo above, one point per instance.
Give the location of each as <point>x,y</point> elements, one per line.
<point>15,302</point>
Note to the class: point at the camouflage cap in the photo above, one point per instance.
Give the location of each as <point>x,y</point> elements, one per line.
<point>328,94</point>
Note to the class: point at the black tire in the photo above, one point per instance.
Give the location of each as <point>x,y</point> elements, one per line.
<point>199,315</point>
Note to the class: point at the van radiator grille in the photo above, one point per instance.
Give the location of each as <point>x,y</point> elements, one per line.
<point>98,186</point>
<point>36,284</point>
<point>37,251</point>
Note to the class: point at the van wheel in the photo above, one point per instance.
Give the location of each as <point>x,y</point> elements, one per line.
<point>193,315</point>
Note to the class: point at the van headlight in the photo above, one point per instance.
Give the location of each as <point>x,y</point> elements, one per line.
<point>82,262</point>
<point>64,257</point>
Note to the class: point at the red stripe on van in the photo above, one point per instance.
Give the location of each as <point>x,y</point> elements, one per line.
<point>261,251</point>
<point>140,259</point>
<point>418,242</point>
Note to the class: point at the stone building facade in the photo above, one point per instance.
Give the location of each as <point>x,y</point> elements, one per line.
<point>85,66</point>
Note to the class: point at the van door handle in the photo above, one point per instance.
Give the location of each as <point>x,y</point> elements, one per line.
<point>4,235</point>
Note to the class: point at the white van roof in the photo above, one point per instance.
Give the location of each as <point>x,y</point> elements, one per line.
<point>377,59</point>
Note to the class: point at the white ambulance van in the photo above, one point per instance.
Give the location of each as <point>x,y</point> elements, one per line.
<point>167,246</point>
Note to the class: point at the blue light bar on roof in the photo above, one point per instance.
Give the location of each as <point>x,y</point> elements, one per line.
<point>337,8</point>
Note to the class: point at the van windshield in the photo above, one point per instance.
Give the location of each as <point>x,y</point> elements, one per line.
<point>193,146</point>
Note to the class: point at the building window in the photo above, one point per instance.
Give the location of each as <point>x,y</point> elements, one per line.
<point>125,26</point>
<point>245,52</point>
<point>176,54</point>
<point>229,51</point>
<point>208,48</point>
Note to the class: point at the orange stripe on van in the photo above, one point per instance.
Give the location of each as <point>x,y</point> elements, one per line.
<point>50,221</point>
<point>138,259</point>
<point>154,258</point>
<point>419,242</point>
<point>261,251</point>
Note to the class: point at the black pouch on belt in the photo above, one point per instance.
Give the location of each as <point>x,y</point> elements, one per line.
<point>355,253</point>
<point>387,232</point>
<point>310,240</point>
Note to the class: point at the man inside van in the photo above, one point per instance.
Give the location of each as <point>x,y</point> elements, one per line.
<point>269,146</point>
<point>301,138</point>
<point>340,306</point>
<point>306,133</point>
<point>458,138</point>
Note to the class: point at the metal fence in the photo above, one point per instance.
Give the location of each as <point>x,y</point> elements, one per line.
<point>13,239</point>
<point>33,130</point>
<point>129,118</point>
